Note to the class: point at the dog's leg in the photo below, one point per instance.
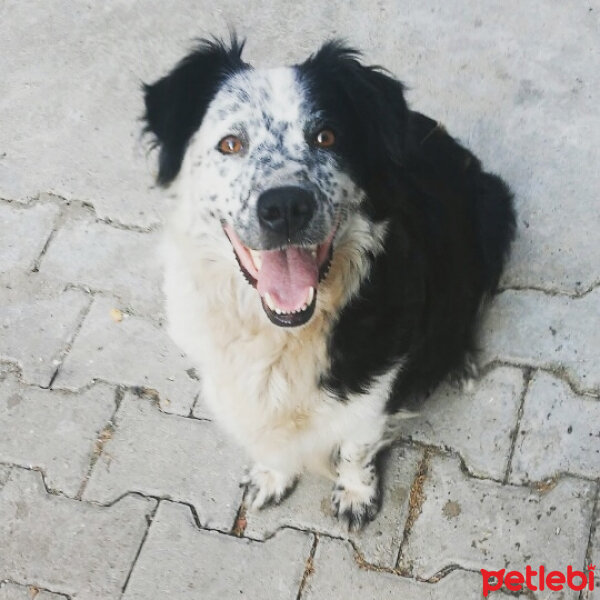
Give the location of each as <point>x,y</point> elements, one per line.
<point>266,486</point>
<point>356,495</point>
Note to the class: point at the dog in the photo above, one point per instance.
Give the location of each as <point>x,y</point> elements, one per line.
<point>327,261</point>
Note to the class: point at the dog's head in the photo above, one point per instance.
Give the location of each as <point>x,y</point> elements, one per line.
<point>281,160</point>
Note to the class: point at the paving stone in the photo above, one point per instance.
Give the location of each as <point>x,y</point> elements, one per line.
<point>37,319</point>
<point>68,546</point>
<point>133,352</point>
<point>167,455</point>
<point>479,524</point>
<point>12,591</point>
<point>82,139</point>
<point>533,328</point>
<point>53,431</point>
<point>180,561</point>
<point>337,574</point>
<point>308,507</point>
<point>33,224</point>
<point>559,432</point>
<point>102,257</point>
<point>4,473</point>
<point>475,423</point>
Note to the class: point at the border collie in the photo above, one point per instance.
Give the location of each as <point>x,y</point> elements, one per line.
<point>327,261</point>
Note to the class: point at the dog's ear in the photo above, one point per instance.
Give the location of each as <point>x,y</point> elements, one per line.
<point>369,101</point>
<point>176,104</point>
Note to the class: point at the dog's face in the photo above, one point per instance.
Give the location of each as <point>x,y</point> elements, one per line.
<point>263,165</point>
<point>278,159</point>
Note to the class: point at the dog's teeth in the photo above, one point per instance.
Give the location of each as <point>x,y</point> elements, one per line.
<point>313,252</point>
<point>256,258</point>
<point>270,302</point>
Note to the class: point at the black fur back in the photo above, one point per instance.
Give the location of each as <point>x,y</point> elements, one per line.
<point>450,228</point>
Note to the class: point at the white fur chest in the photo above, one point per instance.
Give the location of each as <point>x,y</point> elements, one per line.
<point>260,381</point>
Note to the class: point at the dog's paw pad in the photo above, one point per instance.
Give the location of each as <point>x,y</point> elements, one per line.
<point>356,506</point>
<point>265,486</point>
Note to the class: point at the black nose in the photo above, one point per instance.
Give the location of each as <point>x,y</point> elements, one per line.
<point>286,210</point>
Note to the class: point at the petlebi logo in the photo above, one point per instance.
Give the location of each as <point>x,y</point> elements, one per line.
<point>541,580</point>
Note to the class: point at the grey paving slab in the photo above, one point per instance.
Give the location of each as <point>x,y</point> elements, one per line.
<point>132,351</point>
<point>68,546</point>
<point>180,561</point>
<point>481,524</point>
<point>12,591</point>
<point>17,223</point>
<point>169,456</point>
<point>559,432</point>
<point>37,320</point>
<point>337,574</point>
<point>533,328</point>
<point>83,132</point>
<point>477,423</point>
<point>308,507</point>
<point>102,257</point>
<point>4,473</point>
<point>53,431</point>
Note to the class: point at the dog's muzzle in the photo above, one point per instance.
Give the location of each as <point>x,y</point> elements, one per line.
<point>287,274</point>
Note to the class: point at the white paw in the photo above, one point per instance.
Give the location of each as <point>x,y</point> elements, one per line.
<point>356,505</point>
<point>266,486</point>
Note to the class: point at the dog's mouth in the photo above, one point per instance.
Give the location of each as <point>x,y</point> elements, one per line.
<point>286,279</point>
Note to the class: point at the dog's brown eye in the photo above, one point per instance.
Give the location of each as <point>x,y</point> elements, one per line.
<point>325,138</point>
<point>230,145</point>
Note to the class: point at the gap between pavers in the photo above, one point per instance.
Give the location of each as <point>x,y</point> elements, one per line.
<point>172,457</point>
<point>68,546</point>
<point>482,524</point>
<point>24,231</point>
<point>338,573</point>
<point>53,431</point>
<point>131,351</point>
<point>559,433</point>
<point>38,319</point>
<point>102,257</point>
<point>594,556</point>
<point>477,423</point>
<point>180,561</point>
<point>556,332</point>
<point>13,591</point>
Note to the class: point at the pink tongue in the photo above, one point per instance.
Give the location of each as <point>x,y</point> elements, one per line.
<point>287,275</point>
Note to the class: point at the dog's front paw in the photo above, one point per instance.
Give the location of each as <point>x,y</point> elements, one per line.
<point>266,486</point>
<point>357,505</point>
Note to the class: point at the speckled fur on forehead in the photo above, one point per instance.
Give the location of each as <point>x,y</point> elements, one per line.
<point>271,112</point>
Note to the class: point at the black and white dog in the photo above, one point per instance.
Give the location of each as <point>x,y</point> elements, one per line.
<point>327,261</point>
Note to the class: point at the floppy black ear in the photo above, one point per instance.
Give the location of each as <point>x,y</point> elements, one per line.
<point>176,104</point>
<point>369,102</point>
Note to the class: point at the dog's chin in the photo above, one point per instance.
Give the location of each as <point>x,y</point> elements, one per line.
<point>286,279</point>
